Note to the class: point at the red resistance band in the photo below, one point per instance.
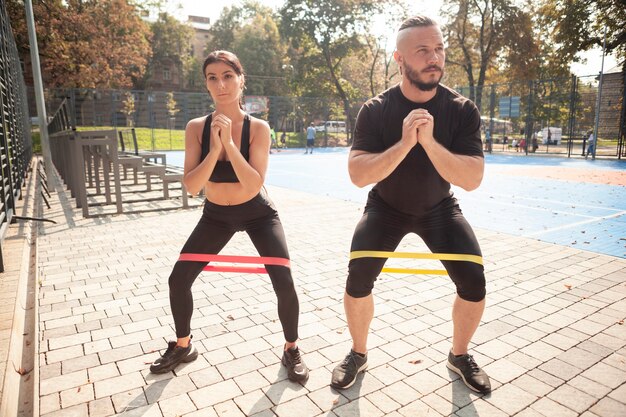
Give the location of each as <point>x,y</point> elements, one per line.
<point>265,260</point>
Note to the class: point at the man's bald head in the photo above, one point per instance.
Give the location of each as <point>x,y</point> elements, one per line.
<point>410,23</point>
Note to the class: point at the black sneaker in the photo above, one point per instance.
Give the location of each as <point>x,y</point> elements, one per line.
<point>173,356</point>
<point>475,378</point>
<point>296,369</point>
<point>344,374</point>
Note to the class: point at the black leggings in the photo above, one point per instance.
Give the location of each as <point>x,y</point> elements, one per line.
<point>443,229</point>
<point>218,224</point>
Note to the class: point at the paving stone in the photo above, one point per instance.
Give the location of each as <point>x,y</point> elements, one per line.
<point>572,398</point>
<point>175,406</point>
<point>605,375</point>
<point>101,408</point>
<point>215,393</point>
<point>118,384</point>
<point>510,399</point>
<point>548,407</point>
<point>76,411</point>
<point>63,382</point>
<point>253,402</point>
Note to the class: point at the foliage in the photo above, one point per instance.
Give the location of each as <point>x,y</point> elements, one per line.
<point>333,27</point>
<point>170,44</point>
<point>262,53</point>
<point>578,25</point>
<point>231,20</point>
<point>128,108</point>
<point>85,43</point>
<point>477,31</point>
<point>171,105</point>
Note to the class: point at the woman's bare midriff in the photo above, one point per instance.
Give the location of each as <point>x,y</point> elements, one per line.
<point>227,194</point>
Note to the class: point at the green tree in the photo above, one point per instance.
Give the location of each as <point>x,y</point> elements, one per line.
<point>85,44</point>
<point>578,25</point>
<point>333,27</point>
<point>262,53</point>
<point>128,108</point>
<point>231,20</point>
<point>477,31</point>
<point>170,43</point>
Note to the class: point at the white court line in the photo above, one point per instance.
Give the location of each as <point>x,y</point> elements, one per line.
<point>567,226</point>
<point>541,200</point>
<point>543,209</point>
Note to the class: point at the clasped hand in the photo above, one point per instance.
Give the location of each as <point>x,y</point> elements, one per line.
<point>221,128</point>
<point>417,127</point>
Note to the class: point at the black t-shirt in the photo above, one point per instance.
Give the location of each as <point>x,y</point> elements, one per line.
<point>415,186</point>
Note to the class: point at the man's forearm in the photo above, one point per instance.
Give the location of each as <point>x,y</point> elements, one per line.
<point>368,168</point>
<point>461,170</point>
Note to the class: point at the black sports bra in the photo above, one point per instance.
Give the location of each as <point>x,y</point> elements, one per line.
<point>223,171</point>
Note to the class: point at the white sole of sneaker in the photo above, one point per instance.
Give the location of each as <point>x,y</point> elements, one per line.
<point>459,373</point>
<point>361,369</point>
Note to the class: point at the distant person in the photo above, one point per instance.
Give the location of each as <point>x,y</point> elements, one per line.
<point>413,141</point>
<point>522,145</point>
<point>515,145</point>
<point>226,155</point>
<point>310,138</point>
<point>591,144</point>
<point>274,143</point>
<point>549,137</point>
<point>535,142</point>
<point>283,139</point>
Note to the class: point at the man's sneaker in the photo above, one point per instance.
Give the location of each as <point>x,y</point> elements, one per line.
<point>173,356</point>
<point>296,369</point>
<point>475,378</point>
<point>344,374</point>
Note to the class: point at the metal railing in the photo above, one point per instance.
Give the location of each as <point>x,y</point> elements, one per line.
<point>15,137</point>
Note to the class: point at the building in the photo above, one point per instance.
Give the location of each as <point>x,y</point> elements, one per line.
<point>200,37</point>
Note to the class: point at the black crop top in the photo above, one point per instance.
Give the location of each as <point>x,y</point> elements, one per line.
<point>223,171</point>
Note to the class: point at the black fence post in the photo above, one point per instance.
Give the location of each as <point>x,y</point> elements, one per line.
<point>621,138</point>
<point>528,131</point>
<point>571,123</point>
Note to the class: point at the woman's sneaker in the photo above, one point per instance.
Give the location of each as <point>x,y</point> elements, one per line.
<point>296,369</point>
<point>344,374</point>
<point>173,356</point>
<point>475,378</point>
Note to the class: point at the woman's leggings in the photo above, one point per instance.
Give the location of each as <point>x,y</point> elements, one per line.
<point>218,224</point>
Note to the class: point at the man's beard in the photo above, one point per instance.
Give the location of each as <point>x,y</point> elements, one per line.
<point>414,78</point>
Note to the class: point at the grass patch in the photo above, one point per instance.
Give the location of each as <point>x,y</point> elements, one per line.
<point>174,140</point>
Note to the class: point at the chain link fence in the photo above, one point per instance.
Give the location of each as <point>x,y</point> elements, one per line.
<point>554,116</point>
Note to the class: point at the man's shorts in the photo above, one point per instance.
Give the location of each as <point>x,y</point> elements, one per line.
<point>443,229</point>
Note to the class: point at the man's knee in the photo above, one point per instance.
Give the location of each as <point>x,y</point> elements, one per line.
<point>472,286</point>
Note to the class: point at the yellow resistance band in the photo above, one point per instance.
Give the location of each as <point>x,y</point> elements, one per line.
<point>440,256</point>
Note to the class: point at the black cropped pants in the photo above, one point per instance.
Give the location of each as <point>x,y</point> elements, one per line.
<point>257,217</point>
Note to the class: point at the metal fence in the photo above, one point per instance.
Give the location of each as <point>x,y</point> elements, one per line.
<point>553,116</point>
<point>15,137</point>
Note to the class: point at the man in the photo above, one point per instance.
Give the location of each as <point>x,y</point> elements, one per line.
<point>310,138</point>
<point>413,141</point>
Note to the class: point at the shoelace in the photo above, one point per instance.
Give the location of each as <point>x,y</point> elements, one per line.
<point>170,349</point>
<point>295,356</point>
<point>473,365</point>
<point>349,358</point>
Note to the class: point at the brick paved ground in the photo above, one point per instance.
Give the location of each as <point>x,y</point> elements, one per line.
<point>552,338</point>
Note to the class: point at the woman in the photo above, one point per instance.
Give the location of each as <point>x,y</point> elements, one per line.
<point>226,155</point>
